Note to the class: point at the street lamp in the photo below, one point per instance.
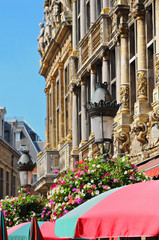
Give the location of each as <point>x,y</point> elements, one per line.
<point>102,109</point>
<point>25,166</point>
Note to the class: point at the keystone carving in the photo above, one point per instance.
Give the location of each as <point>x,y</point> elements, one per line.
<point>141,83</point>
<point>140,129</point>
<point>157,67</point>
<point>123,139</point>
<point>124,96</point>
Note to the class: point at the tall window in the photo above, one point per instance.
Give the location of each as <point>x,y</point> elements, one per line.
<point>87,15</point>
<point>66,99</point>
<point>7,183</point>
<point>99,7</point>
<point>133,64</point>
<point>112,74</point>
<point>79,115</point>
<point>14,185</point>
<point>78,21</point>
<point>88,95</point>
<point>1,183</point>
<point>150,39</point>
<point>57,110</point>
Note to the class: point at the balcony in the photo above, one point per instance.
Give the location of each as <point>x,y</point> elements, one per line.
<point>94,43</point>
<point>47,163</point>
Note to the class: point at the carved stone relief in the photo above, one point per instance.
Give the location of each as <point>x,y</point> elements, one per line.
<point>140,129</point>
<point>123,139</point>
<point>124,96</point>
<point>157,67</point>
<point>141,83</point>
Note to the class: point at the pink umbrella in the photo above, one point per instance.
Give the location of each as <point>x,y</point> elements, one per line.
<point>129,211</point>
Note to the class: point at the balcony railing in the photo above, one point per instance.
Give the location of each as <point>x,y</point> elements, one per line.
<point>96,37</point>
<point>47,163</point>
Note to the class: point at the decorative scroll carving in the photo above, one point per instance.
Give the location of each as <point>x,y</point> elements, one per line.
<point>141,83</point>
<point>123,139</point>
<point>140,129</point>
<point>157,67</point>
<point>124,96</point>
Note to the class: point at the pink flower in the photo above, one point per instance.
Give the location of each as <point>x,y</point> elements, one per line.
<point>56,171</point>
<point>66,211</point>
<point>74,189</point>
<point>117,171</point>
<point>107,174</point>
<point>131,178</point>
<point>115,180</point>
<point>94,186</point>
<point>76,162</point>
<point>131,173</point>
<point>105,187</point>
<point>63,182</point>
<point>77,190</point>
<point>82,185</point>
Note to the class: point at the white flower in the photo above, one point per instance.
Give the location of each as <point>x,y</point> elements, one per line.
<point>62,191</point>
<point>66,198</point>
<point>92,181</point>
<point>55,180</point>
<point>98,166</point>
<point>93,165</point>
<point>76,183</point>
<point>92,193</point>
<point>96,192</point>
<point>125,172</point>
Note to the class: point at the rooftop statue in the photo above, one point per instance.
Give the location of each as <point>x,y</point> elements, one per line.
<point>41,48</point>
<point>47,18</point>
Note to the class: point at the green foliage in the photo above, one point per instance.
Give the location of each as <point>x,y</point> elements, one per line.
<point>22,208</point>
<point>90,178</point>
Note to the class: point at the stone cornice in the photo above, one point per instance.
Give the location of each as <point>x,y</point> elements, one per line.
<point>9,147</point>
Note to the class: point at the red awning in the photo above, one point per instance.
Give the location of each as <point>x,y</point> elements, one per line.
<point>151,168</point>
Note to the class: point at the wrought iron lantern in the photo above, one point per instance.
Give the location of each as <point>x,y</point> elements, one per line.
<point>102,109</point>
<point>25,166</point>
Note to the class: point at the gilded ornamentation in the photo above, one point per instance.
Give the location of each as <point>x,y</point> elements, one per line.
<point>124,96</point>
<point>123,139</point>
<point>140,129</point>
<point>141,83</point>
<point>114,22</point>
<point>157,67</point>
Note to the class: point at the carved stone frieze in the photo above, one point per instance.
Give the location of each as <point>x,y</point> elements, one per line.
<point>124,96</point>
<point>157,67</point>
<point>141,83</point>
<point>123,139</point>
<point>140,129</point>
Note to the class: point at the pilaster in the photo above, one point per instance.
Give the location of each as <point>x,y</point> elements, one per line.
<point>83,23</point>
<point>83,112</point>
<point>106,68</point>
<point>53,132</point>
<point>92,11</point>
<point>122,120</point>
<point>74,24</point>
<point>61,103</point>
<point>47,91</point>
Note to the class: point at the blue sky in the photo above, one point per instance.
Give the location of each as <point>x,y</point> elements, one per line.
<point>21,86</point>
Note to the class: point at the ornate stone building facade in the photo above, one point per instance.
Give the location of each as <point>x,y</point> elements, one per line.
<point>86,41</point>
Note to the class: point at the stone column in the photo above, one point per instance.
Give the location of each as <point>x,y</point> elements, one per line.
<point>106,69</point>
<point>74,24</point>
<point>92,11</point>
<point>83,23</point>
<point>93,88</point>
<point>74,121</point>
<point>141,63</point>
<point>83,112</point>
<point>106,4</point>
<point>118,71</point>
<point>61,103</point>
<point>157,43</point>
<point>53,132</point>
<point>47,90</point>
<point>124,85</point>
